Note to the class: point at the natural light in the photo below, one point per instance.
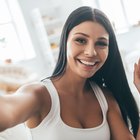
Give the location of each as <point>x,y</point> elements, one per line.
<point>15,42</point>
<point>122,13</point>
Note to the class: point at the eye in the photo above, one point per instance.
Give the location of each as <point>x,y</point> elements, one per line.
<point>101,43</point>
<point>81,41</point>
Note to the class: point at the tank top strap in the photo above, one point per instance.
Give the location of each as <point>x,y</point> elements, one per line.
<point>54,111</point>
<point>100,96</point>
<point>55,105</point>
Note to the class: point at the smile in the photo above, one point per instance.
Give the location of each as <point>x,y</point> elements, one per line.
<point>88,63</point>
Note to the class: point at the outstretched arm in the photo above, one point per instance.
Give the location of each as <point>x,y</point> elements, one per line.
<point>20,106</point>
<point>137,75</point>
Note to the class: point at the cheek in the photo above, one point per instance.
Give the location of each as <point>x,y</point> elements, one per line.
<point>71,50</point>
<point>70,53</point>
<point>104,54</point>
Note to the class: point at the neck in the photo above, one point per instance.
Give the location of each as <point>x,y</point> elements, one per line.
<point>70,84</point>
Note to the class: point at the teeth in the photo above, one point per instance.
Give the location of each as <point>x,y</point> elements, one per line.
<point>87,63</point>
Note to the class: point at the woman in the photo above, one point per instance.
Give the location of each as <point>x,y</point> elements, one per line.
<point>87,96</point>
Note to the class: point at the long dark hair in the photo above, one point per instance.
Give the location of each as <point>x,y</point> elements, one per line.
<point>112,73</point>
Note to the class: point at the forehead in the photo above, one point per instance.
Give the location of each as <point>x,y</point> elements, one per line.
<point>90,28</point>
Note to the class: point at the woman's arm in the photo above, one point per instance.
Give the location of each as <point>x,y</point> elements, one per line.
<point>138,135</point>
<point>137,84</point>
<point>18,107</point>
<point>137,75</point>
<point>118,128</point>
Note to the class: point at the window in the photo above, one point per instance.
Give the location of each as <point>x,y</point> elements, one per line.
<point>122,13</point>
<point>132,9</point>
<point>15,43</point>
<point>92,3</point>
<point>114,11</point>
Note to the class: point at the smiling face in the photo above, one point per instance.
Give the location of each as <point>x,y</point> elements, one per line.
<point>87,49</point>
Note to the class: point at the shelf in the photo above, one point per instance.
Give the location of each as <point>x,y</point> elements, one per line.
<point>54,38</point>
<point>53,27</point>
<point>53,23</point>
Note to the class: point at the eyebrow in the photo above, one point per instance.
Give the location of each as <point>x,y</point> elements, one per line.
<point>103,38</point>
<point>82,34</point>
<point>100,38</point>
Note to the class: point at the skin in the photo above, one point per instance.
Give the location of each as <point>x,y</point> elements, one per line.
<point>137,83</point>
<point>137,75</point>
<point>87,44</point>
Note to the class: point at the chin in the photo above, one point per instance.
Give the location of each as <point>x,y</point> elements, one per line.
<point>86,76</point>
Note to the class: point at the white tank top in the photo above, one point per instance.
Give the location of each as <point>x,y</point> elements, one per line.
<point>53,127</point>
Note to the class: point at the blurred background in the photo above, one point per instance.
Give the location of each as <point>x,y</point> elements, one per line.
<point>30,32</point>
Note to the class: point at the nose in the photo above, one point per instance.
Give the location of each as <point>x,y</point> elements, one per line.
<point>90,51</point>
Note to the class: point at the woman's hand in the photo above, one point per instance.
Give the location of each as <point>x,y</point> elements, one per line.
<point>137,75</point>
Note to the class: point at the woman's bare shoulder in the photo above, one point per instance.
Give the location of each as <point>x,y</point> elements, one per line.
<point>35,90</point>
<point>34,87</point>
<point>112,103</point>
<point>28,100</point>
<point>42,102</point>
